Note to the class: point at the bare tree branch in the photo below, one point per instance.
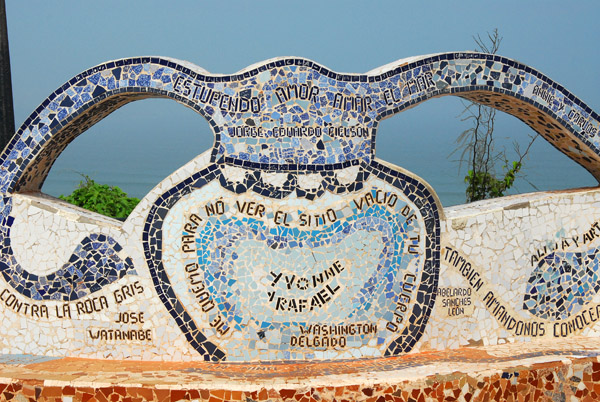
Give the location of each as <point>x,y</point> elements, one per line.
<point>477,146</point>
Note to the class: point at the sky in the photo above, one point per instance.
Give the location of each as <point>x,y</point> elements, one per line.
<point>143,142</point>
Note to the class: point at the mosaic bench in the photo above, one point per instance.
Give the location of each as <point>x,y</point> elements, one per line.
<point>541,371</point>
<point>288,242</point>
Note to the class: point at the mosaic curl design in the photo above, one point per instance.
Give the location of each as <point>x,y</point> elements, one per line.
<point>95,263</point>
<point>562,284</point>
<point>291,128</point>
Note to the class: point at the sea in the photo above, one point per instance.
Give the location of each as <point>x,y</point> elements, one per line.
<point>139,145</point>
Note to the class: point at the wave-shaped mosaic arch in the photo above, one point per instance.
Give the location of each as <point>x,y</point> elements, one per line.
<point>560,117</point>
<point>288,130</point>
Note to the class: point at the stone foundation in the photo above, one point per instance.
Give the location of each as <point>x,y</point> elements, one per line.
<point>535,372</point>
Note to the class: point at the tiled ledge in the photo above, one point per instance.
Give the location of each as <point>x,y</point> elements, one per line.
<point>515,202</point>
<point>534,371</point>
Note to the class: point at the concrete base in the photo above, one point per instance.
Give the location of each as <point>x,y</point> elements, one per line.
<point>530,372</point>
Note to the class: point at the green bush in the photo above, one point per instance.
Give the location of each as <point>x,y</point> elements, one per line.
<point>102,198</point>
<point>484,185</point>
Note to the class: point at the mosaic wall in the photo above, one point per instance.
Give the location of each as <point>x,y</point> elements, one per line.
<point>289,240</point>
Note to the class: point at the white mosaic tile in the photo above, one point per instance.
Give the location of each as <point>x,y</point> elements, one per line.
<point>289,240</point>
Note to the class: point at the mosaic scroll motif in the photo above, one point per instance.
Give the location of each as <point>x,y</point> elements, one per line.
<point>288,129</point>
<point>562,283</point>
<point>96,262</point>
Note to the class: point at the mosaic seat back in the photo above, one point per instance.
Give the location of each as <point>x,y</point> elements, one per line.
<point>289,240</point>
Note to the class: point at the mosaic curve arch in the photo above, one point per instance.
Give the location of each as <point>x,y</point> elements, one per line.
<point>290,131</point>
<point>538,101</point>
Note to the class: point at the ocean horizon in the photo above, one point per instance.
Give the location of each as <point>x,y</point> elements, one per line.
<point>166,135</point>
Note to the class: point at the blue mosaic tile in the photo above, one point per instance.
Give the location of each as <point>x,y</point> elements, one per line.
<point>285,130</point>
